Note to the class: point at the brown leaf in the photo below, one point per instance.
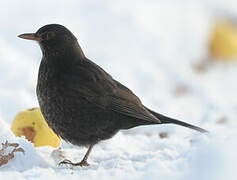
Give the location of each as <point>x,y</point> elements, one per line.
<point>19,150</point>
<point>4,159</point>
<point>13,145</point>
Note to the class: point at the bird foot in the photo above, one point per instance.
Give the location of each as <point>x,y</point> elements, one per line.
<point>82,163</point>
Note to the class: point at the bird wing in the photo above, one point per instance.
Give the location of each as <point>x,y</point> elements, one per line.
<point>95,85</point>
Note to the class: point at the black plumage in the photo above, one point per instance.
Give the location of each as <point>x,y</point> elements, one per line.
<point>80,101</point>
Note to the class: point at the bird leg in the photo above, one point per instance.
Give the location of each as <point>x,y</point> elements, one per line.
<point>83,161</point>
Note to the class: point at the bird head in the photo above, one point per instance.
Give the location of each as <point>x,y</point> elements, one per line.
<point>52,37</point>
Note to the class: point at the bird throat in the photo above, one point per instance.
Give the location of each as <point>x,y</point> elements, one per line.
<point>59,50</point>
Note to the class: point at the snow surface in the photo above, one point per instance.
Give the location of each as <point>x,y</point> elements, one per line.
<point>150,46</point>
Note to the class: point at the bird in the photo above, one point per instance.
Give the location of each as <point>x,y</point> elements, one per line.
<point>80,101</point>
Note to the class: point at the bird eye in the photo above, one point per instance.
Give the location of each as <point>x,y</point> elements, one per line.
<point>47,35</point>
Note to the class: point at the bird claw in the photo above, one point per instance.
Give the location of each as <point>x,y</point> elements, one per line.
<point>65,161</point>
<point>82,163</point>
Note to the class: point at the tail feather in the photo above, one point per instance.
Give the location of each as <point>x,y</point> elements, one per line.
<point>166,120</point>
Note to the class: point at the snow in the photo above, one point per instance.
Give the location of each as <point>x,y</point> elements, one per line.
<point>148,46</point>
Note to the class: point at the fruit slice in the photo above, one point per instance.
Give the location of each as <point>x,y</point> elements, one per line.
<point>31,124</point>
<point>223,41</point>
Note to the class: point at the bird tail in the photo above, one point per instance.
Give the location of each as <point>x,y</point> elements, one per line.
<point>167,120</point>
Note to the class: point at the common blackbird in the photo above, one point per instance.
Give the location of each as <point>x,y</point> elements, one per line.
<point>81,102</point>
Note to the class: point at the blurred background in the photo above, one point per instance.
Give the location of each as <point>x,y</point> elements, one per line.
<point>179,57</point>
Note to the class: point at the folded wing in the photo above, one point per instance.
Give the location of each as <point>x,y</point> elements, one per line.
<point>96,86</point>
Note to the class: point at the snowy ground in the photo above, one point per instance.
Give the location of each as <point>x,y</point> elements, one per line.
<point>149,46</point>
